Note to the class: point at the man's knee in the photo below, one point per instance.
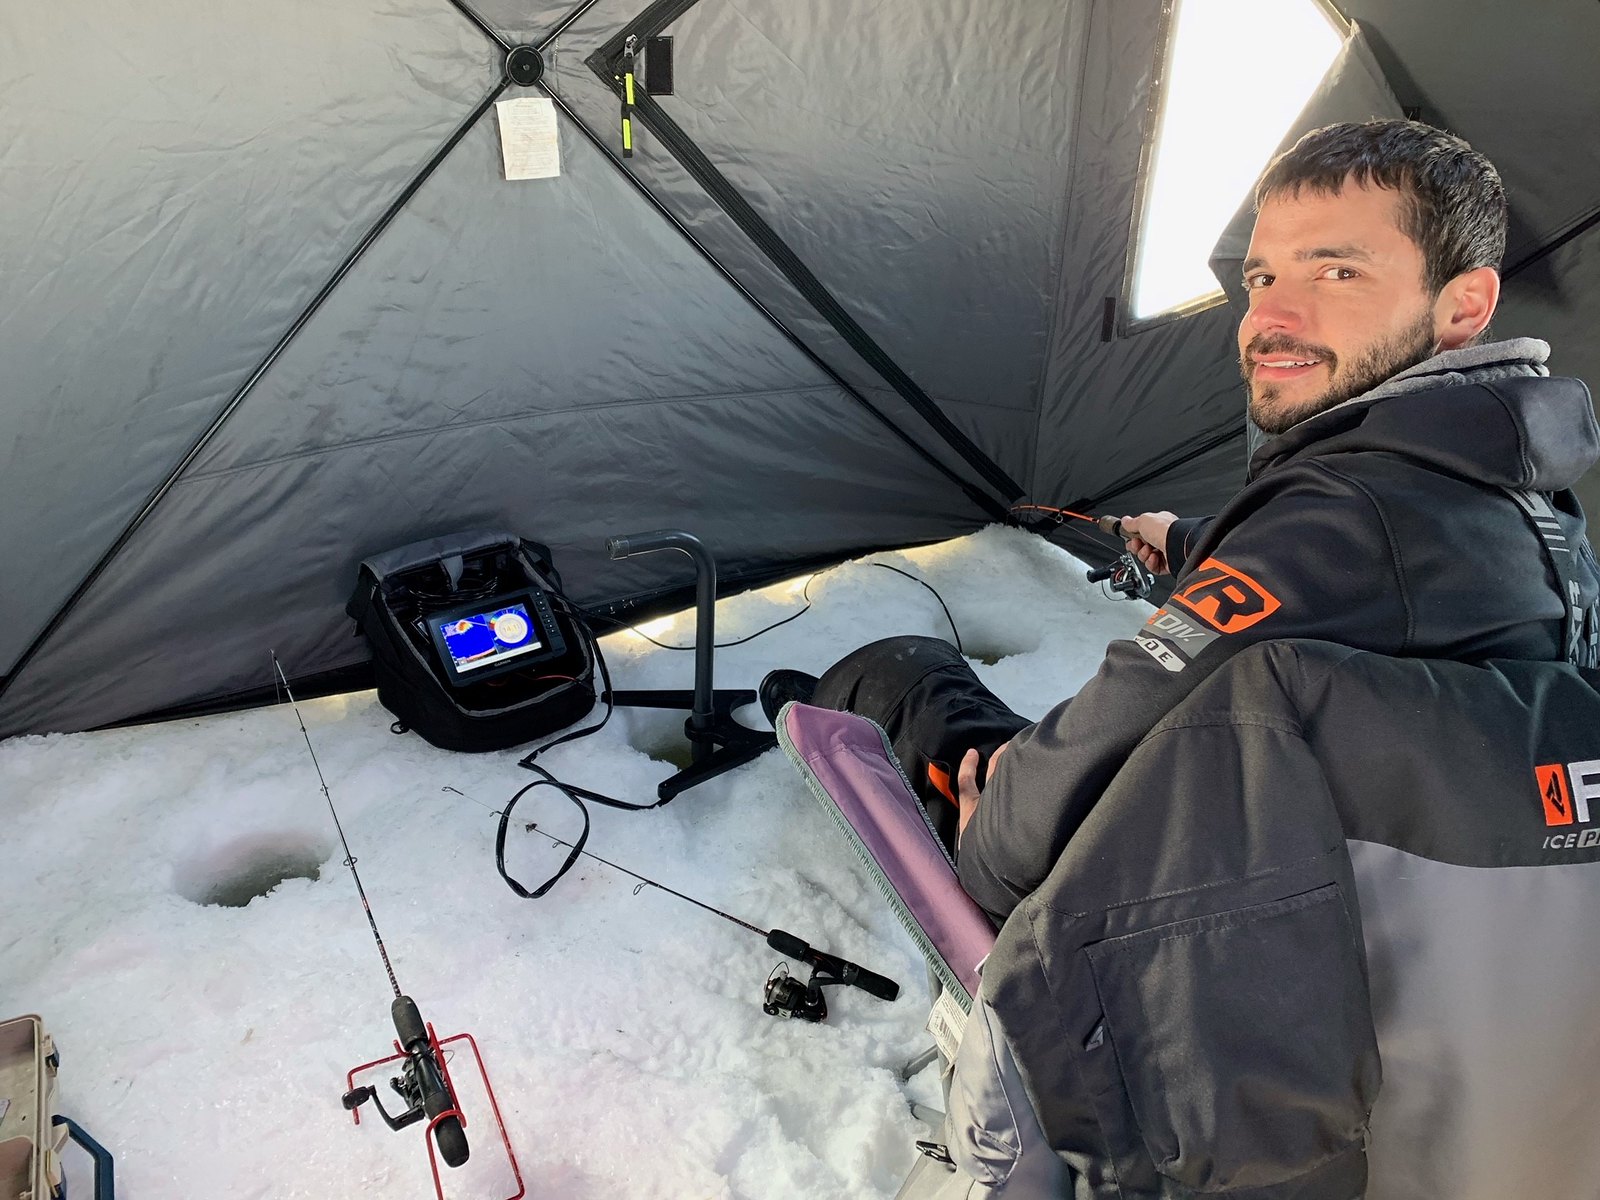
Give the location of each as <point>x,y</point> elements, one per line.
<point>877,673</point>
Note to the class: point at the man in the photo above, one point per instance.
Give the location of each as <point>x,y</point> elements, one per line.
<point>1381,515</point>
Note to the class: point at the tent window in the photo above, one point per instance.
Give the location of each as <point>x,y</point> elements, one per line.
<point>1237,74</point>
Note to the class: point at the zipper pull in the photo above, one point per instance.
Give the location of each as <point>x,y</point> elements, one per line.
<point>630,50</point>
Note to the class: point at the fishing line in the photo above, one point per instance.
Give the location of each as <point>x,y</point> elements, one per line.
<point>644,881</point>
<point>1126,576</point>
<point>424,1082</point>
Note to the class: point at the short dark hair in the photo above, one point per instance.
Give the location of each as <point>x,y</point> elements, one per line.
<point>1453,204</point>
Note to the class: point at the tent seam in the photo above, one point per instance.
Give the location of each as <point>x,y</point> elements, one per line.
<point>1073,164</point>
<point>504,419</point>
<point>1022,410</point>
<point>979,498</point>
<point>246,389</point>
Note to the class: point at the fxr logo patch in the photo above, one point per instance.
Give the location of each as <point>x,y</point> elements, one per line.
<point>1555,794</point>
<point>1225,599</point>
<point>1565,790</point>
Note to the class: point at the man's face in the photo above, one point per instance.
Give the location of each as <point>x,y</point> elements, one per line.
<point>1338,303</point>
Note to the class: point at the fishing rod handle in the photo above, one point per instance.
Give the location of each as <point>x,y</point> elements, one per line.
<point>408,1022</point>
<point>436,1097</point>
<point>846,972</point>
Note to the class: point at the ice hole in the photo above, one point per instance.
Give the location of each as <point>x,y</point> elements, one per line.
<point>233,872</point>
<point>989,637</point>
<point>659,735</point>
<point>989,651</point>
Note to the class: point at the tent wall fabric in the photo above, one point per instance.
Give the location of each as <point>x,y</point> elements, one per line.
<point>271,307</point>
<point>175,189</point>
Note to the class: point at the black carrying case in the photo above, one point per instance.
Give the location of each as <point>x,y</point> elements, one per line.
<point>395,588</point>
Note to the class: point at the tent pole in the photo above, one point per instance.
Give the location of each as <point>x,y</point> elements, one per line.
<point>471,14</point>
<point>988,504</point>
<point>565,23</point>
<point>604,63</point>
<point>247,387</point>
<point>1549,248</point>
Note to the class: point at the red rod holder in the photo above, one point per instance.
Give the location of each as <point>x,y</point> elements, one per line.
<point>494,1104</point>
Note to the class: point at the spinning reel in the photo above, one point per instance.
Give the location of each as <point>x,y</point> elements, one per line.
<point>1127,577</point>
<point>785,996</point>
<point>422,1084</point>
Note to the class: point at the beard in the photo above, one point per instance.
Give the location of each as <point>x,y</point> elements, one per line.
<point>1378,362</point>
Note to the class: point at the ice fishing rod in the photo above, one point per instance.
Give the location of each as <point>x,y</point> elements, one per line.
<point>783,995</point>
<point>423,1084</point>
<point>1126,576</point>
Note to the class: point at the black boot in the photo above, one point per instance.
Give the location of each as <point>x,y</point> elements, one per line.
<point>782,686</point>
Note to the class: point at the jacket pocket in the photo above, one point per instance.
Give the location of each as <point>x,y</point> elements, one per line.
<point>1241,1043</point>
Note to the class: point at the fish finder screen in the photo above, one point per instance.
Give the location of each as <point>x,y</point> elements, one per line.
<point>478,640</point>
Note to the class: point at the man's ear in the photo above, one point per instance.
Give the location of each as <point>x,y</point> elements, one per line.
<point>1465,306</point>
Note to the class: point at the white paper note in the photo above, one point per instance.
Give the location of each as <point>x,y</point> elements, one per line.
<point>530,143</point>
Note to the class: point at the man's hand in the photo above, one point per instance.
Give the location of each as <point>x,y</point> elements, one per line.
<point>967,785</point>
<point>1148,542</point>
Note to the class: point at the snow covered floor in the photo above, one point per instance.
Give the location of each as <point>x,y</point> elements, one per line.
<point>206,1045</point>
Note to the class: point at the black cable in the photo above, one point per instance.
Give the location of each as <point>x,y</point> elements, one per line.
<point>527,760</point>
<point>956,632</point>
<point>805,594</point>
<point>505,820</point>
<point>580,619</point>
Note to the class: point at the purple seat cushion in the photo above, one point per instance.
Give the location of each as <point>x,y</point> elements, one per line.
<point>849,760</point>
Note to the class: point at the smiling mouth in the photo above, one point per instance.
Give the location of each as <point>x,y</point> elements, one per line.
<point>1283,368</point>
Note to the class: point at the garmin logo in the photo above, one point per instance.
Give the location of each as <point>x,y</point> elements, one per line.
<point>1565,790</point>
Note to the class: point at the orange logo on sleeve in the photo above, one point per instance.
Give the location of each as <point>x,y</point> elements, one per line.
<point>1226,599</point>
<point>1555,794</point>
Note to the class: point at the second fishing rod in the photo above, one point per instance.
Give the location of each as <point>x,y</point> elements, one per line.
<point>783,995</point>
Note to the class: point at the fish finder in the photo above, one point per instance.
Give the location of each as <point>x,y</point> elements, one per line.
<point>491,637</point>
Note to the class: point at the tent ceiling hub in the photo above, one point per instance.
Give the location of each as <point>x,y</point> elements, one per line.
<point>524,66</point>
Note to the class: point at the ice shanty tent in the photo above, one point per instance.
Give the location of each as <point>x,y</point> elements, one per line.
<point>271,305</point>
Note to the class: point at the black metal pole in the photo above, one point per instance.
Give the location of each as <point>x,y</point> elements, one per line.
<point>705,600</point>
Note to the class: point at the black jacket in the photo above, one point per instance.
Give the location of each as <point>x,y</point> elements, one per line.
<point>1325,935</point>
<point>1383,526</point>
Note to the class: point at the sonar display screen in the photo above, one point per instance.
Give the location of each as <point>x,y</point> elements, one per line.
<point>478,640</point>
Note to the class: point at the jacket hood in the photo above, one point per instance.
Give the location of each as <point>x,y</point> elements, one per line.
<point>1470,412</point>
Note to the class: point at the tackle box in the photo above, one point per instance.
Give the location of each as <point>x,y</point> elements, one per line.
<point>32,1134</point>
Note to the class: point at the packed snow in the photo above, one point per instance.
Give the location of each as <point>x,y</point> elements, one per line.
<point>205,1041</point>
